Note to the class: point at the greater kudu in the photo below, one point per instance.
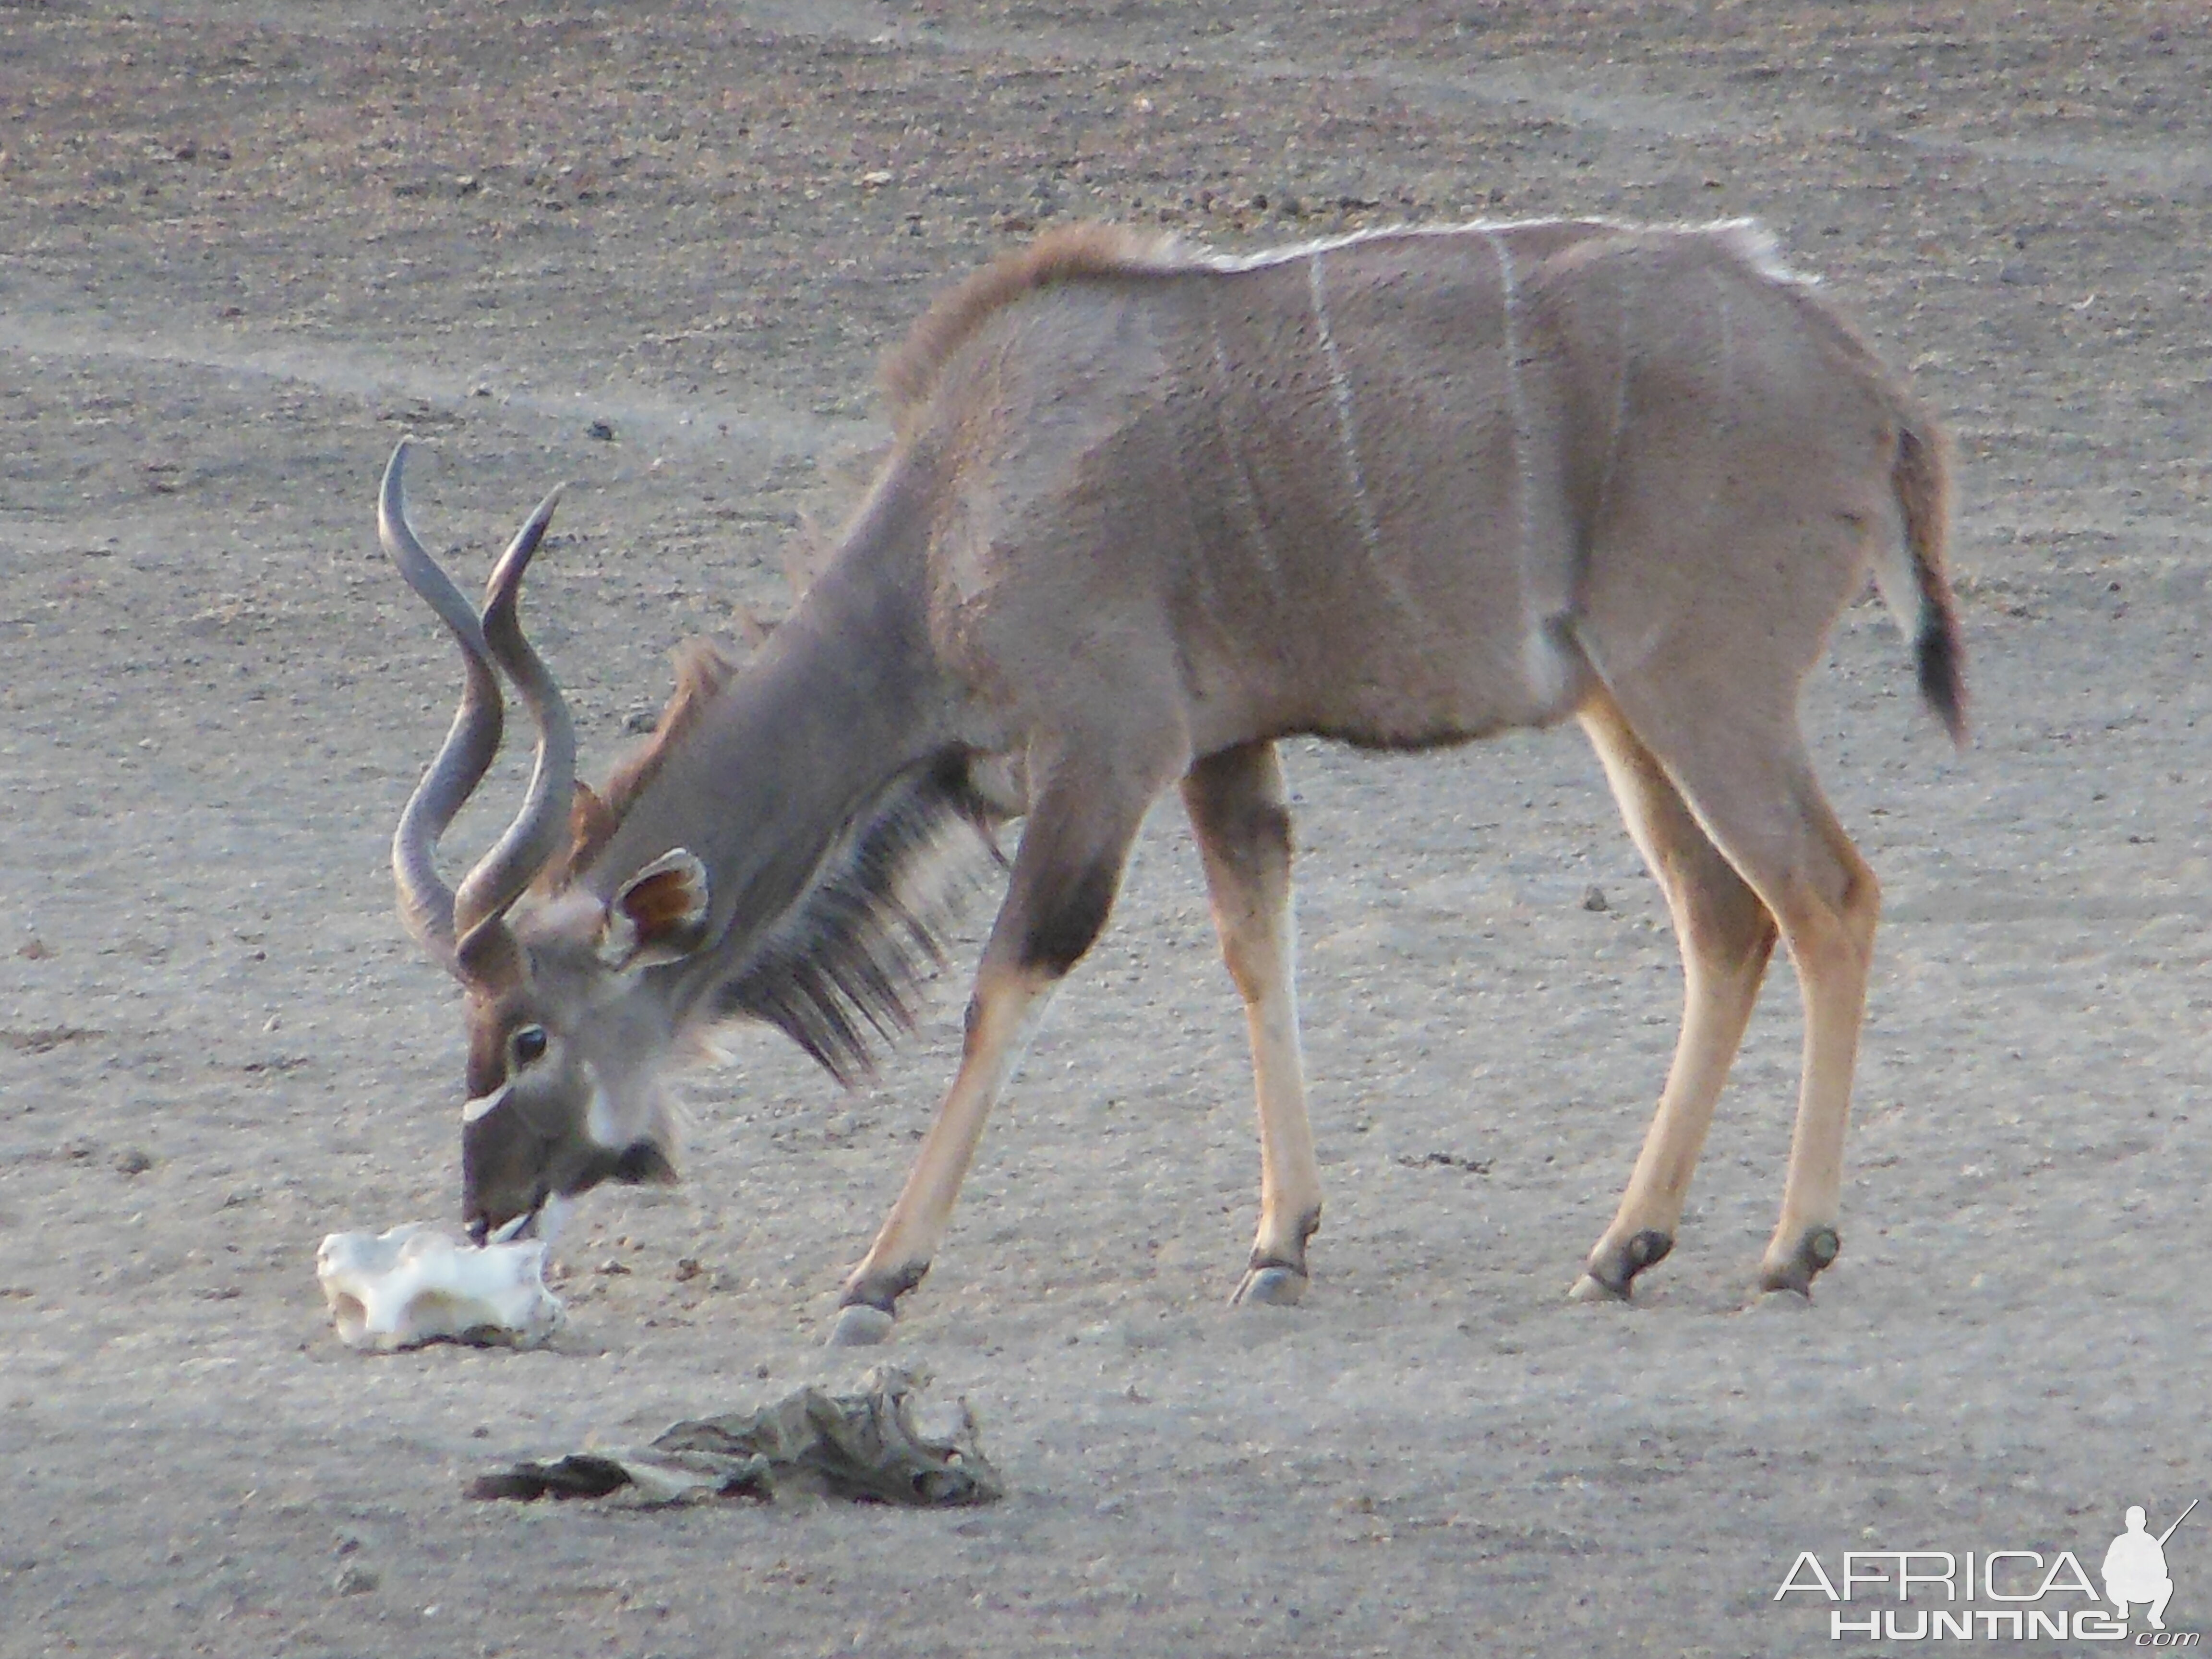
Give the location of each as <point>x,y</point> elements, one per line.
<point>1147,511</point>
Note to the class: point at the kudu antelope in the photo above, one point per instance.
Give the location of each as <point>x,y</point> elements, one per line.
<point>1148,511</point>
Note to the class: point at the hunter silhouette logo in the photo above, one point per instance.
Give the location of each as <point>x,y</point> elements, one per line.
<point>1999,1595</point>
<point>2135,1566</point>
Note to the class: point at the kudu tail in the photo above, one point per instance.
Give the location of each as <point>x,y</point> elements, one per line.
<point>1914,582</point>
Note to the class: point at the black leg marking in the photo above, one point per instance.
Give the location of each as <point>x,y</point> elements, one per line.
<point>1817,1247</point>
<point>1615,1272</point>
<point>882,1290</point>
<point>1070,921</point>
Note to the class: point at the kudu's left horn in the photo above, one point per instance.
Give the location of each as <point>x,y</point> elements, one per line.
<point>464,932</point>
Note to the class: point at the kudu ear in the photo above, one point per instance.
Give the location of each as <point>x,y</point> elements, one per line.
<point>660,915</point>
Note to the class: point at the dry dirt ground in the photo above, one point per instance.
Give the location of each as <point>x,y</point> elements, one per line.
<point>244,247</point>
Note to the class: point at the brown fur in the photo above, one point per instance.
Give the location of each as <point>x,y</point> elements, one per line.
<point>1064,253</point>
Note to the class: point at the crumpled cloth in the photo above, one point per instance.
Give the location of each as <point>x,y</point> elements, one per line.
<point>864,1446</point>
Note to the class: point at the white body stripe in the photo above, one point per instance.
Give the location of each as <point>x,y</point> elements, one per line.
<point>1620,422</point>
<point>1547,675</point>
<point>1517,403</point>
<point>1247,498</point>
<point>1347,438</point>
<point>1347,434</point>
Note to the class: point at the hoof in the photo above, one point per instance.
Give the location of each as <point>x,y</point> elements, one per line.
<point>1613,1268</point>
<point>859,1326</point>
<point>1271,1286</point>
<point>1815,1248</point>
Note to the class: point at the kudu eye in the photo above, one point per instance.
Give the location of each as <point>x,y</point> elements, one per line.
<point>526,1047</point>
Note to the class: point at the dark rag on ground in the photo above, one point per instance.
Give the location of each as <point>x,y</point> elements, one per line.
<point>863,1446</point>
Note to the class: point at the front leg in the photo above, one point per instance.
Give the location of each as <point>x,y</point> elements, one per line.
<point>1002,1015</point>
<point>1065,880</point>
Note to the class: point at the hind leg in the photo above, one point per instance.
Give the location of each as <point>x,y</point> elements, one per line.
<point>1828,916</point>
<point>1741,767</point>
<point>1726,936</point>
<point>1239,810</point>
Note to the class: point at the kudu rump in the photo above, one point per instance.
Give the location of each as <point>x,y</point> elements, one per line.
<point>1149,510</point>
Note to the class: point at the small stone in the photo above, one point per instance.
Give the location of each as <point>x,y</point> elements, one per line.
<point>603,430</point>
<point>1594,899</point>
<point>611,1267</point>
<point>688,1268</point>
<point>133,1161</point>
<point>355,1581</point>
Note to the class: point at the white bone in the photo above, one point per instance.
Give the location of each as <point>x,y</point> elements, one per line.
<point>412,1285</point>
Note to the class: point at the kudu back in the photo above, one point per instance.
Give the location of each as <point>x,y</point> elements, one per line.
<point>1148,511</point>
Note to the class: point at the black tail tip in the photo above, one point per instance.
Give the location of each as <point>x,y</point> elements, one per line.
<point>1942,674</point>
